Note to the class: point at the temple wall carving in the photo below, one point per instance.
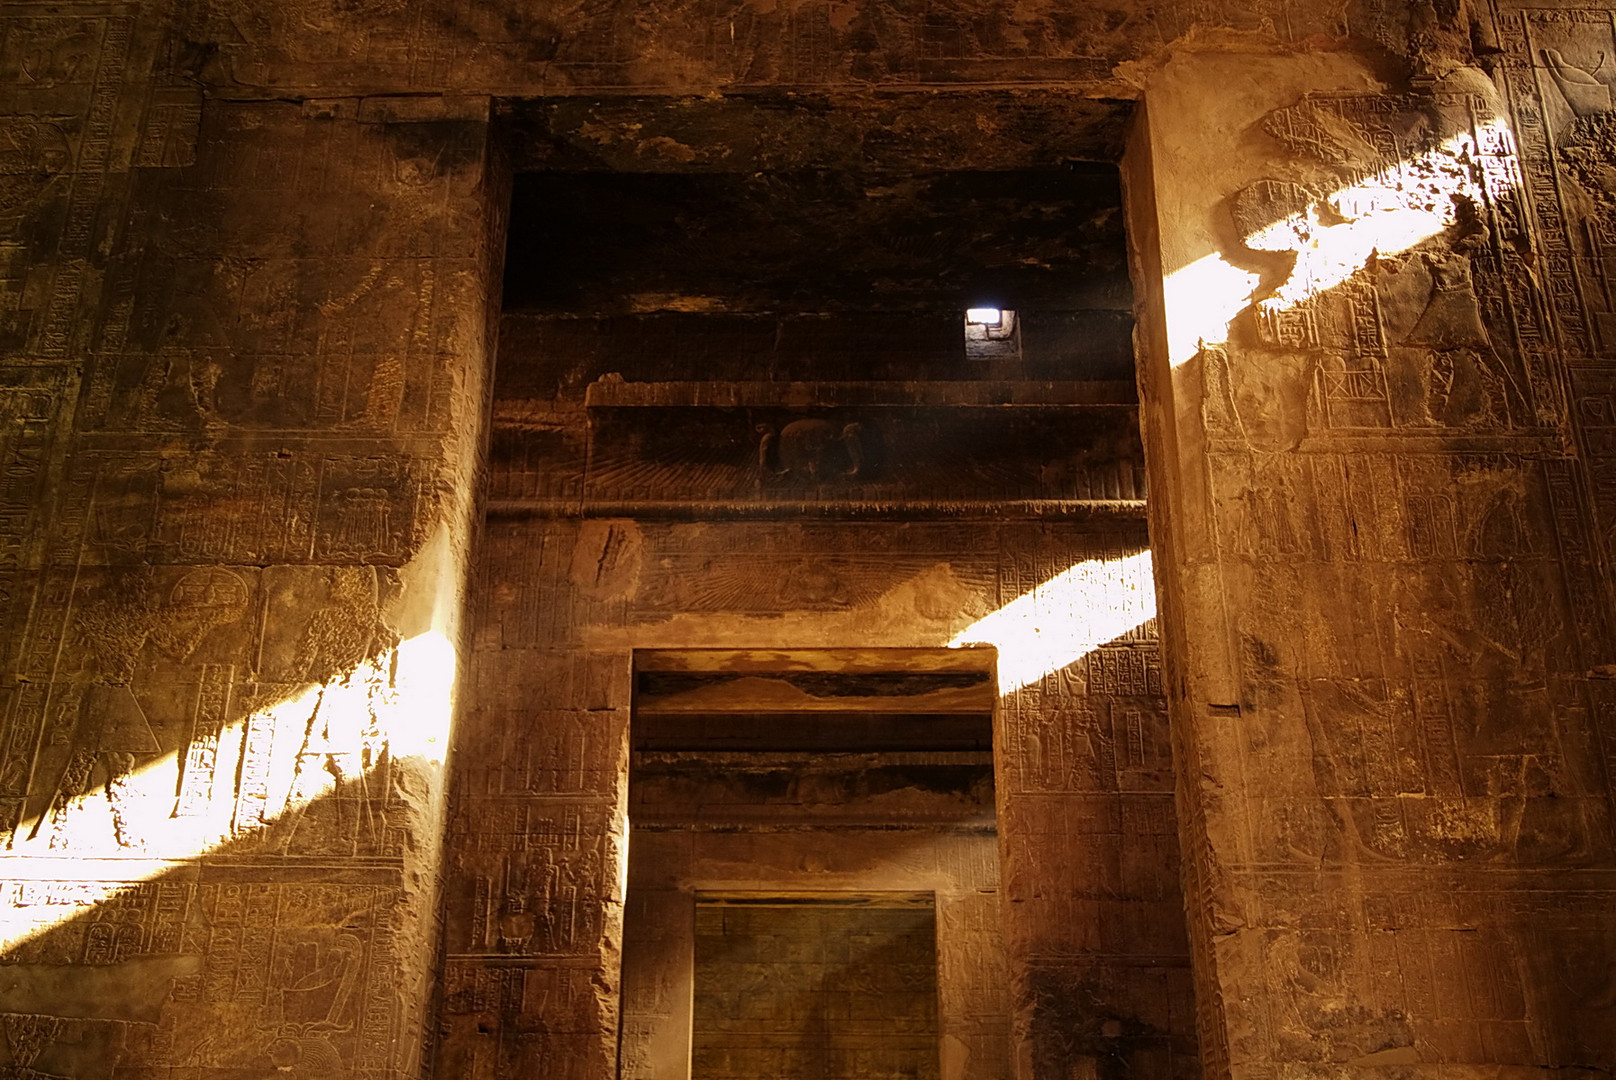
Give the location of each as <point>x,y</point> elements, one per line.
<point>1388,563</point>
<point>243,428</point>
<point>317,649</point>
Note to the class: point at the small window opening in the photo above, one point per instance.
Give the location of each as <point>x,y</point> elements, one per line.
<point>992,334</point>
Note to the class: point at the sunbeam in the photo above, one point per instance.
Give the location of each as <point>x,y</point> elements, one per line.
<point>256,777</point>
<point>1066,617</point>
<point>1332,236</point>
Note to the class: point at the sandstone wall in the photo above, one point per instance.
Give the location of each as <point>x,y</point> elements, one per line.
<point>244,416</point>
<point>245,299</point>
<point>1383,535</point>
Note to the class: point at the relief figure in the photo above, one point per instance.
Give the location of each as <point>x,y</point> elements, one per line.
<point>1468,378</point>
<point>811,449</point>
<point>114,734</point>
<point>1586,95</point>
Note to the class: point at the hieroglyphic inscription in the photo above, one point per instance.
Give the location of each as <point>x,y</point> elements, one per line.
<point>168,139</point>
<point>53,54</point>
<point>256,951</point>
<point>547,878</point>
<point>1560,112</point>
<point>28,417</point>
<point>199,769</point>
<point>250,508</point>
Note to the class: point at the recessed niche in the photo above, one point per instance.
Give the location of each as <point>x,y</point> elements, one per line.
<point>812,275</point>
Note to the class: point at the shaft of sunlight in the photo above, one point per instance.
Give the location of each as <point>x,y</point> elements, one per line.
<point>1202,300</point>
<point>1332,238</point>
<point>255,777</point>
<point>425,686</point>
<point>1065,618</point>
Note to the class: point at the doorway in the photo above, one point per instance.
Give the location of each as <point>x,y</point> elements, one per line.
<point>813,867</point>
<point>780,375</point>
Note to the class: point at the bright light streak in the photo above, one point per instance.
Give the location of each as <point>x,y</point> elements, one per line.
<point>1334,238</point>
<point>983,316</point>
<point>255,777</point>
<point>425,688</point>
<point>1065,618</point>
<point>1202,301</point>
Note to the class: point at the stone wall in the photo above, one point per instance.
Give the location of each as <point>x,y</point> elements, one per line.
<point>245,293</point>
<point>1382,539</point>
<point>252,411</point>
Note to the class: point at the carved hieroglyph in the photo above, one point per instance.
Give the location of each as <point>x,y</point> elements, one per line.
<point>1395,605</point>
<point>229,659</point>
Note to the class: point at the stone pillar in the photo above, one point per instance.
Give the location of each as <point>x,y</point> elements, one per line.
<point>1378,571</point>
<point>231,655</point>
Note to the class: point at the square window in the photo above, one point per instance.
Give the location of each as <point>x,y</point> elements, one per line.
<point>992,334</point>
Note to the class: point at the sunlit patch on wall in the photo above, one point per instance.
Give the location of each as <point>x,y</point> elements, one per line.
<point>249,784</point>
<point>1326,234</point>
<point>1065,618</point>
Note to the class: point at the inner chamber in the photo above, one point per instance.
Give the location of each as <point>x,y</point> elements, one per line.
<point>794,397</point>
<point>813,866</point>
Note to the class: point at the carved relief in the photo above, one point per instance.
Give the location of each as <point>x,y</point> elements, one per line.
<point>28,417</point>
<point>260,507</point>
<point>819,568</point>
<point>59,67</point>
<point>1398,242</point>
<point>33,153</point>
<point>1558,80</point>
<point>813,450</point>
<point>175,697</point>
<point>915,454</point>
<point>1588,145</point>
<point>56,51</point>
<point>154,968</point>
<point>552,888</point>
<point>277,738</point>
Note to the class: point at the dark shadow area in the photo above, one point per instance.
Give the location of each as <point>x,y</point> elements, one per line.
<point>812,988</point>
<point>798,339</point>
<point>811,274</point>
<point>1032,239</point>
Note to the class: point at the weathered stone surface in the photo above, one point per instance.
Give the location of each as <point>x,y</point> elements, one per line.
<point>1347,813</point>
<point>246,445</point>
<point>1380,555</point>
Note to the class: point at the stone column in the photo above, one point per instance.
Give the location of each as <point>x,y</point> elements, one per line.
<point>1376,562</point>
<point>229,695</point>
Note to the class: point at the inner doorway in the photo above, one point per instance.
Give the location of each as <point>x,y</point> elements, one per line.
<point>836,373</point>
<point>813,867</point>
